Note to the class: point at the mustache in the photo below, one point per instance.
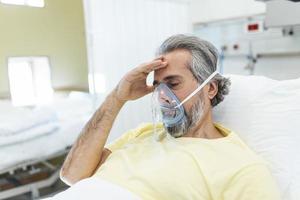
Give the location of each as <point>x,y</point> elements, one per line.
<point>189,121</point>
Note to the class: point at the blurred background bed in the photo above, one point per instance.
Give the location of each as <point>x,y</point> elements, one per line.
<point>35,140</point>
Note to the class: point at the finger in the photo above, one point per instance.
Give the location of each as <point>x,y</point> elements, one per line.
<point>150,89</point>
<point>151,66</point>
<point>159,58</point>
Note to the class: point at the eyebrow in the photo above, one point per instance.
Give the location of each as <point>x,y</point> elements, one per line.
<point>168,78</point>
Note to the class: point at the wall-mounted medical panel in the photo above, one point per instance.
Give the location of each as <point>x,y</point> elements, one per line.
<point>248,47</point>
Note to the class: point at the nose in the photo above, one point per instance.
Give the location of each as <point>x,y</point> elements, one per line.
<point>163,98</point>
<point>166,100</point>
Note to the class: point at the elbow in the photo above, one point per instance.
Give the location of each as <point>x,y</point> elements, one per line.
<point>68,178</point>
<point>65,177</point>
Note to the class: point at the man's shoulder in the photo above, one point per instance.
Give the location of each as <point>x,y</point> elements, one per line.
<point>131,136</point>
<point>237,150</point>
<point>144,129</point>
<point>244,156</point>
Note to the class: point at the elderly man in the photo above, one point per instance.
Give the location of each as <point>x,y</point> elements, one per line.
<point>194,159</point>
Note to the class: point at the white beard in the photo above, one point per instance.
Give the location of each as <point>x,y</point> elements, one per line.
<point>189,121</point>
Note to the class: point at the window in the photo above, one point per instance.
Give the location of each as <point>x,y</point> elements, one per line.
<point>29,80</point>
<point>33,3</point>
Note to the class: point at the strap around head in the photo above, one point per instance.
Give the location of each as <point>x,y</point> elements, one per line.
<point>199,88</point>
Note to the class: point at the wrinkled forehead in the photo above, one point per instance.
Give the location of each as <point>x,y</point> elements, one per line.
<point>178,65</point>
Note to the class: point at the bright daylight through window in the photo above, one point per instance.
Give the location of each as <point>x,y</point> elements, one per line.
<point>29,80</point>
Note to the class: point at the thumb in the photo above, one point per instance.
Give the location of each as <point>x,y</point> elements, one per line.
<point>150,89</point>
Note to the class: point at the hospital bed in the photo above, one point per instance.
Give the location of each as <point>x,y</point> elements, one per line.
<point>29,151</point>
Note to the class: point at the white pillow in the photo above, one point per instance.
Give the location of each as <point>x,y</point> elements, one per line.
<point>265,113</point>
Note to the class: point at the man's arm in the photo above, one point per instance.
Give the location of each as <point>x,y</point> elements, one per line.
<point>87,154</point>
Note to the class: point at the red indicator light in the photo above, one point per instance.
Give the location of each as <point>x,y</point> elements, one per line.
<point>253,27</point>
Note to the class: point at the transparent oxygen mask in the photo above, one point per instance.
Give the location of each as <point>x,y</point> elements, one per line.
<point>167,108</point>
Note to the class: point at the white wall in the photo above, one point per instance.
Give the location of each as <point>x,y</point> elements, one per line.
<point>212,10</point>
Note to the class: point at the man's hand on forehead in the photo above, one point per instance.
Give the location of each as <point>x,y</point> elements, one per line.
<point>133,85</point>
<point>151,66</point>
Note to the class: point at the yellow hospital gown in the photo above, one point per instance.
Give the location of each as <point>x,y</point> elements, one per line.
<point>187,168</point>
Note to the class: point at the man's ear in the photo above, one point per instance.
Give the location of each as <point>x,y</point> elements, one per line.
<point>213,89</point>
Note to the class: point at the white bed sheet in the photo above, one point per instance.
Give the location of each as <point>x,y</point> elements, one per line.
<point>15,120</point>
<point>94,189</point>
<point>43,146</point>
<point>29,134</point>
<point>42,141</point>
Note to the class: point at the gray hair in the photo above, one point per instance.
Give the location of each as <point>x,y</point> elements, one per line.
<point>204,61</point>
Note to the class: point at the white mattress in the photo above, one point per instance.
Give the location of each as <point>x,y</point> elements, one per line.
<point>72,114</point>
<point>43,146</point>
<point>15,120</point>
<point>38,131</point>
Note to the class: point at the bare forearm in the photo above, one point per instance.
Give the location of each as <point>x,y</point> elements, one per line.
<point>85,154</point>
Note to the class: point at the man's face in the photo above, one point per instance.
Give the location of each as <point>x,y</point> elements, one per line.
<point>178,77</point>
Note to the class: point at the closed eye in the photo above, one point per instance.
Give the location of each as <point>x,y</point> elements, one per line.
<point>172,85</point>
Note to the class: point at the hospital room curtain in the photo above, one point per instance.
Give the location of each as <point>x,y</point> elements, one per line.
<point>124,33</point>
